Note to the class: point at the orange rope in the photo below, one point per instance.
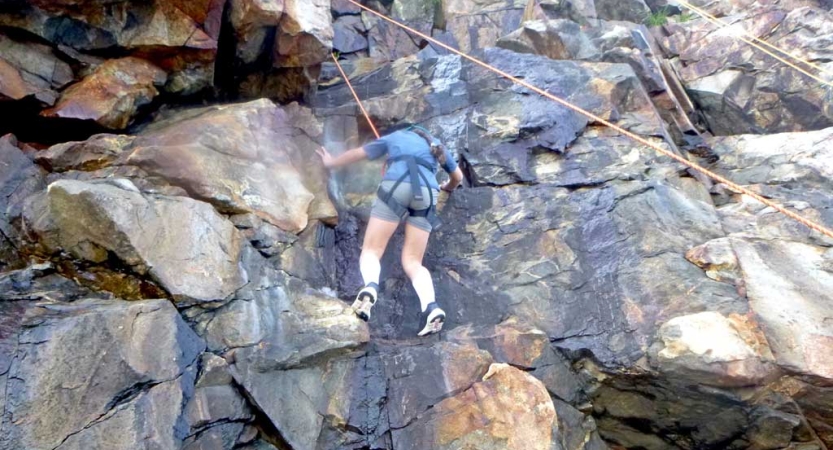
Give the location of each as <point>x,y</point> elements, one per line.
<point>356,96</point>
<point>735,187</point>
<point>723,24</point>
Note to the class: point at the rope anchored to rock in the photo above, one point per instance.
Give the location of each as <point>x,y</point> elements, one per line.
<point>720,179</point>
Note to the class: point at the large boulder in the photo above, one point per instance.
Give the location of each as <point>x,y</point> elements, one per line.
<point>58,398</point>
<point>112,94</point>
<point>786,267</point>
<point>97,152</point>
<point>250,157</point>
<point>392,393</point>
<point>555,39</point>
<point>181,244</point>
<point>710,349</point>
<point>293,371</point>
<point>614,42</point>
<point>793,169</point>
<point>521,345</point>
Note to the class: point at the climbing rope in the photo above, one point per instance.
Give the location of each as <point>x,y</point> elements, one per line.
<point>752,42</point>
<point>731,185</point>
<point>356,96</point>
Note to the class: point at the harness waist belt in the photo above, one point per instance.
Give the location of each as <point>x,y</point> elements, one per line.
<point>416,191</point>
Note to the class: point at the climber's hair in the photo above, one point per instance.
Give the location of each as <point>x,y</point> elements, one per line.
<point>437,149</point>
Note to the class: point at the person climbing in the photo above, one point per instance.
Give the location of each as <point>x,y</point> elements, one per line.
<point>409,192</point>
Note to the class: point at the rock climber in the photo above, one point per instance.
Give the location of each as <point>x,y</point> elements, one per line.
<point>409,192</point>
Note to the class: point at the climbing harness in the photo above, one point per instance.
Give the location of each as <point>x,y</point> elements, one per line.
<point>415,175</point>
<point>753,43</point>
<point>731,185</point>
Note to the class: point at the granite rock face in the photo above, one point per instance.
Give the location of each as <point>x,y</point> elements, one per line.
<point>60,399</point>
<point>187,284</point>
<point>738,88</point>
<point>561,215</point>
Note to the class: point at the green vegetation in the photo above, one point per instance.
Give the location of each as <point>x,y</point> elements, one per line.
<point>686,16</point>
<point>658,18</point>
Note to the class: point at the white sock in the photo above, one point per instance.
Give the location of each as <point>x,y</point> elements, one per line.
<point>370,267</point>
<point>424,287</point>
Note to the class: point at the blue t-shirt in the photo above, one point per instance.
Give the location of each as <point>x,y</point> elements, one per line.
<point>402,143</point>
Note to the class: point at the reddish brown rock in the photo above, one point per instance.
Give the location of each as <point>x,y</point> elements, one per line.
<point>96,153</point>
<point>717,258</point>
<point>112,94</point>
<point>178,36</point>
<point>508,410</point>
<point>88,25</point>
<point>423,377</point>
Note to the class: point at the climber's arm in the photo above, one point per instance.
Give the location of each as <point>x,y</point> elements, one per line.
<point>344,159</point>
<point>456,177</point>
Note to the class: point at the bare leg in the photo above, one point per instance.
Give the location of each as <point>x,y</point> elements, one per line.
<point>432,317</point>
<point>416,240</point>
<point>376,239</point>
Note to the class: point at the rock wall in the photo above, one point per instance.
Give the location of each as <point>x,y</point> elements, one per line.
<point>177,275</point>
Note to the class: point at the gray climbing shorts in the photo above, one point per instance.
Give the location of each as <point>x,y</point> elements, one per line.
<point>403,195</point>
